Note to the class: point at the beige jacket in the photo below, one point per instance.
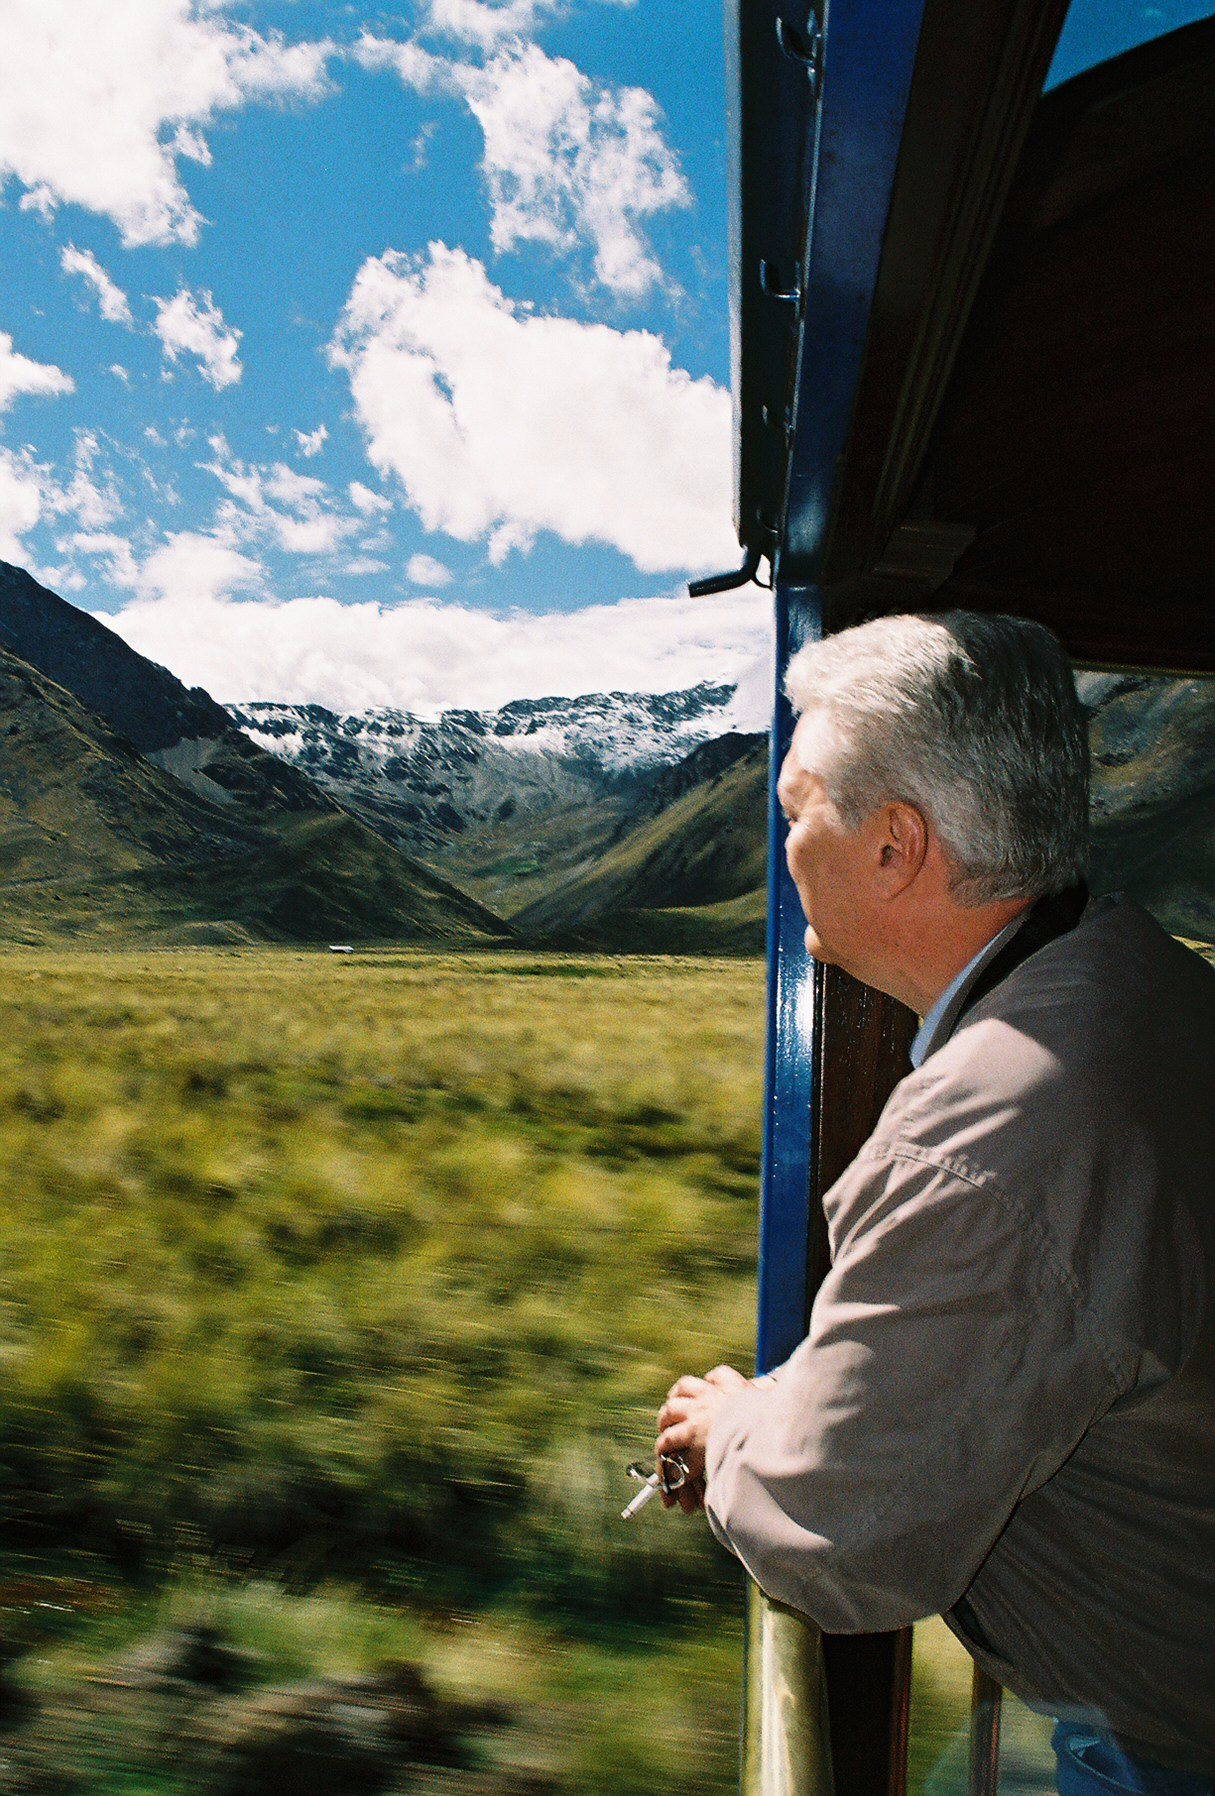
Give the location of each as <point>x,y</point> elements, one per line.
<point>1004,1409</point>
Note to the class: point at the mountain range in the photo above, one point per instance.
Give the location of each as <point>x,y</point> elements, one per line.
<point>512,803</point>
<point>131,805</point>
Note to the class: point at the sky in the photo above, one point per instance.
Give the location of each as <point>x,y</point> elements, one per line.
<point>379,357</point>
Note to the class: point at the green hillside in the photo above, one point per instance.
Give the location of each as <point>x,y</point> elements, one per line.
<point>97,841</point>
<point>704,853</point>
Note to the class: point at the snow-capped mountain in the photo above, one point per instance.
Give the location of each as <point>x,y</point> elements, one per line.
<point>425,779</point>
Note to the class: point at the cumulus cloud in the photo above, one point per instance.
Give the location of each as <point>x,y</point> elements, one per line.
<point>18,374</point>
<point>111,299</point>
<point>311,442</point>
<point>364,500</point>
<point>277,503</point>
<point>113,551</point>
<point>192,571</point>
<point>494,418</point>
<point>315,535</point>
<point>416,66</point>
<point>566,161</point>
<point>485,23</point>
<point>192,324</point>
<point>100,102</point>
<point>424,656</point>
<point>424,570</point>
<point>32,492</point>
<point>90,495</point>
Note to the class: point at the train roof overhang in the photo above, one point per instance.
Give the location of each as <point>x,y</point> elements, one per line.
<point>973,339</point>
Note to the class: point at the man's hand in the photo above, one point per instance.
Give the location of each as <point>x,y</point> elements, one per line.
<point>683,1427</point>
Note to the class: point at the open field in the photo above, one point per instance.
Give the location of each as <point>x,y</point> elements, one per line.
<point>337,1293</point>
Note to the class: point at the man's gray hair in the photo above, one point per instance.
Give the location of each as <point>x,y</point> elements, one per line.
<point>975,721</point>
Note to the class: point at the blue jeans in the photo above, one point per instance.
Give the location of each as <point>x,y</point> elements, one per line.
<point>1091,1763</point>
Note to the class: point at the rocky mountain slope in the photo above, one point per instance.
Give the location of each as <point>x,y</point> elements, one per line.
<point>193,837</point>
<point>181,728</point>
<point>1153,744</point>
<point>508,802</point>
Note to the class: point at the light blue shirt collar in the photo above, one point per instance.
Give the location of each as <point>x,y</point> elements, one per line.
<point>944,1009</point>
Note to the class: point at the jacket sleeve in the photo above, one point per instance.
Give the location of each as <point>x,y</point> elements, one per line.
<point>949,1369</point>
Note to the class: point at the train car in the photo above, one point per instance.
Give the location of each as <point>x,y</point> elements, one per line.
<point>973,365</point>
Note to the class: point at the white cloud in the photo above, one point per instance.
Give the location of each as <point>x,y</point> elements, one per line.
<point>192,571</point>
<point>416,66</point>
<point>120,373</point>
<point>31,492</point>
<point>192,324</point>
<point>492,416</point>
<point>290,488</point>
<point>424,570</point>
<point>425,656</point>
<point>316,535</point>
<point>99,101</point>
<point>567,161</point>
<point>111,299</point>
<point>20,503</point>
<point>90,496</point>
<point>113,550</point>
<point>311,442</point>
<point>18,374</point>
<point>364,500</point>
<point>486,24</point>
<point>302,520</point>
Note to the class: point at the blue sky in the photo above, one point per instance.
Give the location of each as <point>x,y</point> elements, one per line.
<point>380,356</point>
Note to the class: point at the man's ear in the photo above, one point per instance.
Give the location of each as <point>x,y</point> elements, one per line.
<point>902,844</point>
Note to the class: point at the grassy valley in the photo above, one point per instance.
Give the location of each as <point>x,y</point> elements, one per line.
<point>337,1294</point>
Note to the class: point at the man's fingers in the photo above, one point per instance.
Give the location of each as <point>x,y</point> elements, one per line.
<point>687,1386</point>
<point>673,1411</point>
<point>689,1497</point>
<point>692,1496</point>
<point>725,1378</point>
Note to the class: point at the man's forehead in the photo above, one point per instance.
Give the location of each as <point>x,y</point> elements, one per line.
<point>799,769</point>
<point>806,750</point>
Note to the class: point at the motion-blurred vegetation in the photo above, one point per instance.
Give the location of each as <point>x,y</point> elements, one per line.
<point>337,1292</point>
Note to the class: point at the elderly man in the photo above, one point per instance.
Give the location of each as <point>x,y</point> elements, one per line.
<point>1004,1408</point>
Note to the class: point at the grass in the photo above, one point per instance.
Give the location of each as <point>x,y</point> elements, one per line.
<point>337,1293</point>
